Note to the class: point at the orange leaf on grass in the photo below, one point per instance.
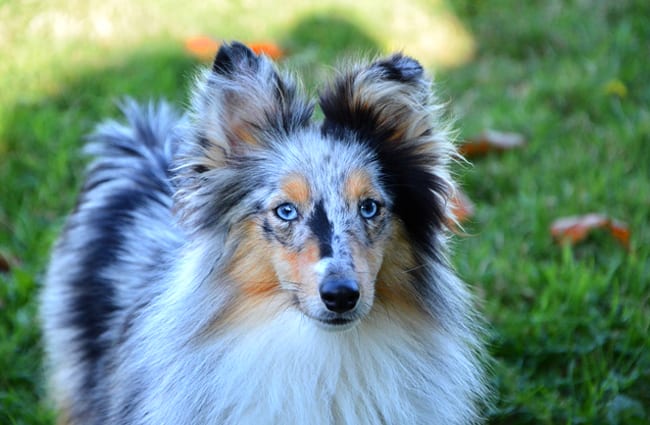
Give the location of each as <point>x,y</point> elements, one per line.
<point>491,141</point>
<point>576,228</point>
<point>205,48</point>
<point>620,231</point>
<point>271,50</point>
<point>202,47</point>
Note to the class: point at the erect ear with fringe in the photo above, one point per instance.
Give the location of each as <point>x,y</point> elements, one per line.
<point>243,102</point>
<point>389,107</point>
<point>241,105</point>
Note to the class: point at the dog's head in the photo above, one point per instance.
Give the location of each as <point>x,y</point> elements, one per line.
<point>329,218</point>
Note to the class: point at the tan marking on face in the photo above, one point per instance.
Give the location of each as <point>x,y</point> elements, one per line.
<point>297,282</point>
<point>251,267</point>
<point>394,287</point>
<point>296,269</point>
<point>308,261</point>
<point>296,188</point>
<point>257,295</point>
<point>266,275</point>
<point>358,186</point>
<point>288,265</point>
<point>367,262</point>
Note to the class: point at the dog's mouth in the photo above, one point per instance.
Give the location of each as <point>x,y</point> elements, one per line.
<point>328,320</point>
<point>336,324</point>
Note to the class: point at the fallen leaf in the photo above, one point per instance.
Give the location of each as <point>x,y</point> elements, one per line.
<point>202,47</point>
<point>620,231</point>
<point>491,141</point>
<point>205,48</point>
<point>271,50</point>
<point>576,228</point>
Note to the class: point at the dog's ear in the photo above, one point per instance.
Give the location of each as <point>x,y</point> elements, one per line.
<point>385,101</point>
<point>243,102</point>
<point>240,106</point>
<point>389,106</point>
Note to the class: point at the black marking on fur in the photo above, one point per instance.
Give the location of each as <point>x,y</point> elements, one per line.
<point>321,226</point>
<point>130,405</point>
<point>234,57</point>
<point>400,68</point>
<point>132,315</point>
<point>93,299</point>
<point>151,185</point>
<point>413,189</point>
<point>283,109</point>
<point>267,229</point>
<point>287,113</point>
<point>204,142</point>
<point>200,168</point>
<point>405,171</point>
<point>218,196</point>
<point>106,222</point>
<point>294,113</point>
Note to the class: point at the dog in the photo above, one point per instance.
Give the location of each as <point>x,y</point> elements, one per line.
<point>245,263</point>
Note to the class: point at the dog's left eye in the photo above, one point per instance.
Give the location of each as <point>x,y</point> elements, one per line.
<point>287,211</point>
<point>368,208</point>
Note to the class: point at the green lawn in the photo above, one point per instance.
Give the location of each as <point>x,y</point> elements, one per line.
<point>569,326</point>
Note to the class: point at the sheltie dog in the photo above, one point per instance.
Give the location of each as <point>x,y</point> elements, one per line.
<point>244,264</point>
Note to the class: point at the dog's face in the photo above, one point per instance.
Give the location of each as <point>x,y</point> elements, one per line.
<point>321,228</point>
<point>326,218</point>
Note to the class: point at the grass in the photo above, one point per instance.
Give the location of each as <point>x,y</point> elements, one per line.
<point>569,326</point>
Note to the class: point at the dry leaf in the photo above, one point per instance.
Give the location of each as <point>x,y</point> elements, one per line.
<point>205,48</point>
<point>271,50</point>
<point>491,141</point>
<point>620,231</point>
<point>576,228</point>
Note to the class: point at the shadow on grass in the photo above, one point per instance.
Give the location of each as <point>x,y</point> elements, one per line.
<point>318,42</point>
<point>330,37</point>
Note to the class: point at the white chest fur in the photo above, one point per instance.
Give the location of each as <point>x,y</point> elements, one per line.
<point>289,371</point>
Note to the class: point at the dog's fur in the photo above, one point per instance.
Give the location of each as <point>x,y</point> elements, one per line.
<point>179,295</point>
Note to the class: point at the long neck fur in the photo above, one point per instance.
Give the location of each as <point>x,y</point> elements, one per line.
<point>276,366</point>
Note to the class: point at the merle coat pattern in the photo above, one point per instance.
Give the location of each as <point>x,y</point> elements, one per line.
<point>244,264</point>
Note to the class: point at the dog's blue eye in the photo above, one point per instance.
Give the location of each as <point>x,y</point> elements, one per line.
<point>287,212</point>
<point>368,208</point>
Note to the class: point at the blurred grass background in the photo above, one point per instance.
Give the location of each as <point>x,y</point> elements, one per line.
<point>569,325</point>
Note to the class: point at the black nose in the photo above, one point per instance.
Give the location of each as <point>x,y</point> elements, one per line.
<point>339,295</point>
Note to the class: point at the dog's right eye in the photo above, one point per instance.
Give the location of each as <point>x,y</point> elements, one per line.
<point>287,211</point>
<point>368,208</point>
